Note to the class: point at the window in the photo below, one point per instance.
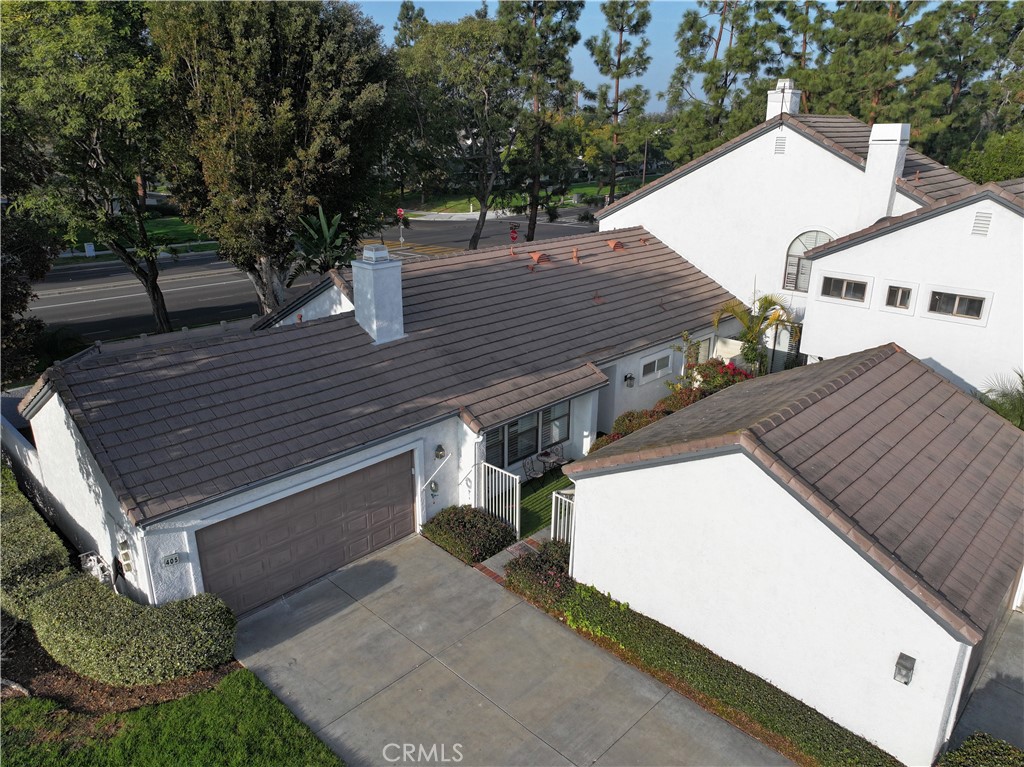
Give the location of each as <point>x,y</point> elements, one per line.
<point>798,268</point>
<point>554,425</point>
<point>655,367</point>
<point>515,441</point>
<point>848,290</point>
<point>956,305</point>
<point>898,297</point>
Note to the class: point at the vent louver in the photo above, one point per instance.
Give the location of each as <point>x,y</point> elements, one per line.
<point>780,145</point>
<point>982,221</point>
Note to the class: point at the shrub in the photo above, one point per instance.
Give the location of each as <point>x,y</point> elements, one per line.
<point>983,750</point>
<point>607,439</point>
<point>32,557</point>
<point>657,647</point>
<point>105,636</point>
<point>542,576</point>
<point>632,420</point>
<point>679,398</point>
<point>469,533</point>
<point>715,374</point>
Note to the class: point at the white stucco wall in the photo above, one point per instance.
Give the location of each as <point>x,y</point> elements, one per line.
<point>85,507</point>
<point>939,253</point>
<point>760,580</point>
<point>332,301</point>
<point>735,217</point>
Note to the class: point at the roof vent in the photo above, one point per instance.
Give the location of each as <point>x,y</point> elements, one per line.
<point>982,221</point>
<point>375,254</point>
<point>780,145</point>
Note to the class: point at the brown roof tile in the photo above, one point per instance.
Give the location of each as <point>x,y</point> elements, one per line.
<point>483,334</point>
<point>926,475</point>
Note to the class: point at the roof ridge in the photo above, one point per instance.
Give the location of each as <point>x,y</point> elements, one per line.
<point>769,422</point>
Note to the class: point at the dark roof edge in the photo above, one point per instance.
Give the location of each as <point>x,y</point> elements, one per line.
<point>477,427</point>
<point>734,143</point>
<point>331,279</point>
<point>36,397</point>
<point>147,521</point>
<point>881,228</point>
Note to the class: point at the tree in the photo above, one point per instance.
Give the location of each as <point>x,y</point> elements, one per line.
<point>539,37</point>
<point>410,24</point>
<point>323,246</point>
<point>282,106</point>
<point>1001,158</point>
<point>479,96</point>
<point>617,59</point>
<point>80,78</point>
<point>1005,395</point>
<point>768,312</point>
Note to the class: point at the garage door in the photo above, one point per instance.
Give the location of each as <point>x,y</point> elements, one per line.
<point>261,554</point>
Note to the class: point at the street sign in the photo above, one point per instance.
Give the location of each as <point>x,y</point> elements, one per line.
<point>513,235</point>
<point>401,213</point>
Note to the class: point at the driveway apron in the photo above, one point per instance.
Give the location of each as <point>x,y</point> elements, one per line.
<point>409,657</point>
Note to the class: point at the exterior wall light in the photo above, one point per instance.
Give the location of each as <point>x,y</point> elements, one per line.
<point>439,452</point>
<point>904,668</point>
<point>630,380</point>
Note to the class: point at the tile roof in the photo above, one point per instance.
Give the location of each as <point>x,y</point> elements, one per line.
<point>489,336</point>
<point>1014,186</point>
<point>893,223</point>
<point>926,480</point>
<point>923,178</point>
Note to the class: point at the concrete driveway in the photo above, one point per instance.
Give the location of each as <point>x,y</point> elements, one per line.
<point>410,657</point>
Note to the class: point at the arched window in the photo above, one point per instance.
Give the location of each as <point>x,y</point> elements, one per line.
<point>798,268</point>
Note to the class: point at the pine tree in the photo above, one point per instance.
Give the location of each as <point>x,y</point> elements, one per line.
<point>617,59</point>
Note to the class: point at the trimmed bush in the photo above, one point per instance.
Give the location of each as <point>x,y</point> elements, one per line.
<point>542,576</point>
<point>983,750</point>
<point>469,533</point>
<point>632,420</point>
<point>105,636</point>
<point>32,557</point>
<point>607,439</point>
<point>679,398</point>
<point>716,374</point>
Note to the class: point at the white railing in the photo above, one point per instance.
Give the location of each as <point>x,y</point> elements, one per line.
<point>497,491</point>
<point>561,515</point>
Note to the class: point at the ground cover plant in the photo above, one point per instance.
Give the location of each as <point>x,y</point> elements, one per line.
<point>237,722</point>
<point>468,533</point>
<point>983,750</point>
<point>793,728</point>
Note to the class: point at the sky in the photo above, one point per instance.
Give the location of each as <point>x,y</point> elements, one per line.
<point>665,18</point>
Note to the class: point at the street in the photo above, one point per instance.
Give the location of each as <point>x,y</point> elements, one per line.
<point>103,301</point>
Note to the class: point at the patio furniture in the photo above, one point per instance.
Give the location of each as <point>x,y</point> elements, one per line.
<point>530,469</point>
<point>559,456</point>
<point>549,460</point>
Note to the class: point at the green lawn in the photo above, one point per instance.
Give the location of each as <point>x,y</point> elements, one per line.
<point>535,503</point>
<point>239,722</point>
<point>166,229</point>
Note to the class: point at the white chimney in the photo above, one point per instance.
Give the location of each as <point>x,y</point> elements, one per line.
<point>887,151</point>
<point>377,290</point>
<point>785,98</point>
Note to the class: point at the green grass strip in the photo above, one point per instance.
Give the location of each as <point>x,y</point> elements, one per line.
<point>239,722</point>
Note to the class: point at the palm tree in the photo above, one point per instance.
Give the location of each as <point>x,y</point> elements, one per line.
<point>323,246</point>
<point>769,311</point>
<point>1005,395</point>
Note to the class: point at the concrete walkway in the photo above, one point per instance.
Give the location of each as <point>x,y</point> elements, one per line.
<point>410,656</point>
<point>996,704</point>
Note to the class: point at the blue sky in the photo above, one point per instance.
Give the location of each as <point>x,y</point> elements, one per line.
<point>665,18</point>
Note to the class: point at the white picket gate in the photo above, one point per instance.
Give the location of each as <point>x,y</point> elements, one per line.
<point>497,491</point>
<point>561,515</point>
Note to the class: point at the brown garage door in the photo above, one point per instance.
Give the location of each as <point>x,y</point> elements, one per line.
<point>261,554</point>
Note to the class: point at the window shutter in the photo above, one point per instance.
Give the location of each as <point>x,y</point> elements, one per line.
<point>803,280</point>
<point>495,448</point>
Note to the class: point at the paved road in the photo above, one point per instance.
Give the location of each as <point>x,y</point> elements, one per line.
<point>103,301</point>
<point>409,648</point>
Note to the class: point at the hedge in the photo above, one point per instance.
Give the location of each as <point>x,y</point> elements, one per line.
<point>100,634</point>
<point>32,557</point>
<point>469,533</point>
<point>983,750</point>
<point>541,576</point>
<point>727,689</point>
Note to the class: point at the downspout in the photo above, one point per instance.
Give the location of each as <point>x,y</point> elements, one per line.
<point>953,699</point>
